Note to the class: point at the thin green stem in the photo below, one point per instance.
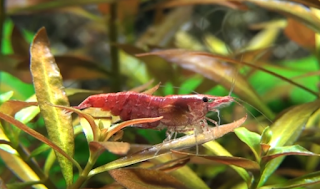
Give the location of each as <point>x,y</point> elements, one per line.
<point>35,167</point>
<point>84,174</point>
<point>2,19</point>
<point>114,52</point>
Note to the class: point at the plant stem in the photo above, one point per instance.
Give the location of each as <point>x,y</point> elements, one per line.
<point>84,174</point>
<point>35,167</point>
<point>114,53</point>
<point>2,19</point>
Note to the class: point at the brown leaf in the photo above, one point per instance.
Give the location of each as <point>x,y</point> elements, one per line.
<point>111,131</point>
<point>2,184</point>
<point>214,67</point>
<point>125,9</point>
<point>137,178</point>
<point>38,136</point>
<point>73,67</point>
<point>310,3</point>
<point>142,87</point>
<point>152,90</point>
<point>164,148</point>
<point>236,161</point>
<point>11,107</point>
<point>49,89</point>
<point>172,165</point>
<point>300,34</point>
<point>18,42</point>
<point>118,148</point>
<point>293,10</point>
<point>88,117</point>
<point>8,64</point>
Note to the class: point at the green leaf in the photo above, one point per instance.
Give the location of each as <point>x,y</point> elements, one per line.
<point>305,180</point>
<point>266,135</point>
<point>49,162</point>
<point>5,96</point>
<point>217,149</point>
<point>49,90</point>
<point>39,150</point>
<point>251,139</point>
<point>23,185</point>
<point>286,130</point>
<point>19,167</point>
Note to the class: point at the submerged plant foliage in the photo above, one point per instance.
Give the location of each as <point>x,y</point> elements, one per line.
<point>47,143</point>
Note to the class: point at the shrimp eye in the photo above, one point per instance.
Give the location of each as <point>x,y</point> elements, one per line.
<point>205,99</point>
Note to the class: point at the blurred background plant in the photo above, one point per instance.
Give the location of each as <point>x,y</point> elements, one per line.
<point>269,51</point>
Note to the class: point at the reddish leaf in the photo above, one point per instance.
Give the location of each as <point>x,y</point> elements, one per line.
<point>73,67</point>
<point>125,9</point>
<point>118,148</point>
<point>18,42</point>
<point>310,3</point>
<point>11,107</point>
<point>294,10</point>
<point>214,67</point>
<point>88,117</point>
<point>182,142</point>
<point>236,161</point>
<point>300,34</point>
<point>287,150</point>
<point>38,136</point>
<point>172,165</point>
<point>111,131</point>
<point>2,184</point>
<point>137,178</point>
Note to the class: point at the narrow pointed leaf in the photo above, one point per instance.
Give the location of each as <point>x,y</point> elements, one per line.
<point>119,148</point>
<point>286,130</point>
<point>287,150</point>
<point>184,174</point>
<point>4,97</point>
<point>216,70</point>
<point>294,10</point>
<point>251,139</point>
<point>305,180</point>
<point>19,167</point>
<point>180,143</point>
<point>38,136</point>
<point>227,160</point>
<point>173,164</point>
<point>49,90</point>
<point>138,178</point>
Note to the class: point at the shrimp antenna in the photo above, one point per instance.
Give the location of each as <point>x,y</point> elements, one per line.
<point>238,99</point>
<point>232,86</point>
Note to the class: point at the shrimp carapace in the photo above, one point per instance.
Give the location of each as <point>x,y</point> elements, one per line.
<point>180,112</point>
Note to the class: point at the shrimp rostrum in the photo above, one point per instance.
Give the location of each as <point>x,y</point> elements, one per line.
<point>180,113</point>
